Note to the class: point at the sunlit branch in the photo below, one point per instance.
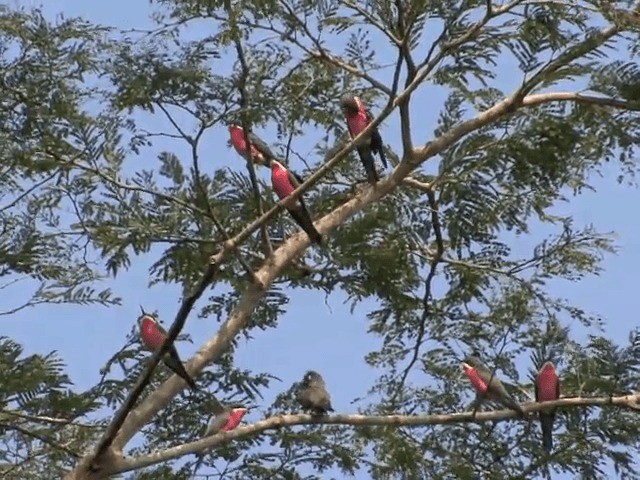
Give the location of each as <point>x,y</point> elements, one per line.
<point>144,378</point>
<point>629,402</point>
<point>540,98</point>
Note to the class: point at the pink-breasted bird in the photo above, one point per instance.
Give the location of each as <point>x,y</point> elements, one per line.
<point>260,152</point>
<point>488,385</point>
<point>547,388</point>
<point>358,118</point>
<point>284,182</point>
<point>153,335</point>
<point>225,418</point>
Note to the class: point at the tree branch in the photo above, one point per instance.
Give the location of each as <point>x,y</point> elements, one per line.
<point>426,310</point>
<point>322,54</point>
<point>33,188</point>
<point>120,416</point>
<point>517,99</point>
<point>43,439</point>
<point>591,42</point>
<point>537,99</point>
<point>242,88</point>
<point>37,418</point>
<point>404,53</point>
<point>128,464</point>
<point>371,20</point>
<point>288,251</point>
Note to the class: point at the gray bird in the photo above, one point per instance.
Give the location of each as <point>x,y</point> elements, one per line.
<point>313,395</point>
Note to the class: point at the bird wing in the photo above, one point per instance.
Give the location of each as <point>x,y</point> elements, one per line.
<point>219,421</point>
<point>260,145</point>
<point>173,351</point>
<point>216,406</point>
<point>368,114</point>
<point>304,398</point>
<point>320,397</point>
<point>296,180</point>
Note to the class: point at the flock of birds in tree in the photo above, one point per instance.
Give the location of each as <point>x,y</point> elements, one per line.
<point>312,395</point>
<point>285,181</point>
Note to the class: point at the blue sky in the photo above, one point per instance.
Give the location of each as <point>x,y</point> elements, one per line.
<point>87,337</point>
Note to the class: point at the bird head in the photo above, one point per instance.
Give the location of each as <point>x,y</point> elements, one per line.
<point>473,360</point>
<point>146,317</point>
<point>466,368</point>
<point>310,377</point>
<point>349,104</point>
<point>233,127</point>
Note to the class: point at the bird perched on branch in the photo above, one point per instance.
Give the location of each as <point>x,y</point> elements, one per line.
<point>313,395</point>
<point>358,118</point>
<point>225,418</point>
<point>153,335</point>
<point>260,152</point>
<point>547,388</point>
<point>284,182</point>
<point>488,385</point>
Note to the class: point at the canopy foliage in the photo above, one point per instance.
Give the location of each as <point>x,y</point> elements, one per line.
<point>493,114</point>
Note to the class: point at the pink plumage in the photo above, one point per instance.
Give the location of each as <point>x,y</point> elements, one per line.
<point>234,419</point>
<point>239,142</point>
<point>281,181</point>
<point>151,335</point>
<point>547,383</point>
<point>357,122</point>
<point>476,380</point>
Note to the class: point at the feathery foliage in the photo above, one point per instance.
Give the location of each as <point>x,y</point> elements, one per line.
<point>85,191</point>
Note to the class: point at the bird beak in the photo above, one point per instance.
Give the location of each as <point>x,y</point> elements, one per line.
<point>142,309</point>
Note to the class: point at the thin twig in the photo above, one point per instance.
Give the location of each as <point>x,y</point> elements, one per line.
<point>426,310</point>
<point>244,103</point>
